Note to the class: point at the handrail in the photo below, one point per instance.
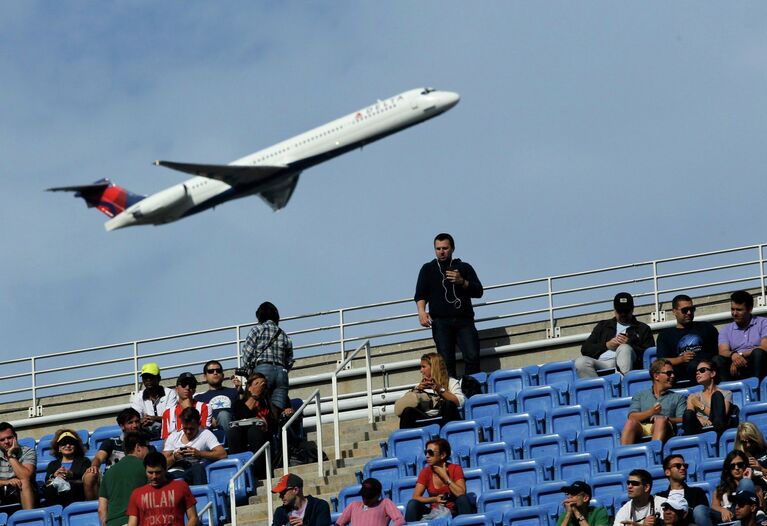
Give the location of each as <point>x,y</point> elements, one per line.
<point>266,450</point>
<point>334,382</point>
<point>208,508</point>
<point>314,397</point>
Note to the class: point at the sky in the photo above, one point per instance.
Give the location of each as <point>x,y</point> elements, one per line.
<point>589,134</point>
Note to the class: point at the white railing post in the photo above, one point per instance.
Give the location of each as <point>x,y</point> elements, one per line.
<point>336,423</point>
<point>334,386</point>
<point>552,330</point>
<point>342,333</point>
<point>135,367</point>
<point>320,452</point>
<point>369,375</point>
<point>316,397</point>
<point>33,409</point>
<point>265,450</point>
<point>761,273</point>
<point>237,349</point>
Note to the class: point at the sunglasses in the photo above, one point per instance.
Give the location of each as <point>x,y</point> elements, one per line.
<point>430,452</point>
<point>633,482</point>
<point>737,465</point>
<point>283,492</point>
<point>680,465</point>
<point>703,370</point>
<point>214,371</point>
<point>667,373</point>
<point>687,310</point>
<point>67,443</point>
<point>188,385</point>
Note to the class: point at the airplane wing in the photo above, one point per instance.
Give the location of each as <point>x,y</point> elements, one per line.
<point>278,195</point>
<point>233,175</point>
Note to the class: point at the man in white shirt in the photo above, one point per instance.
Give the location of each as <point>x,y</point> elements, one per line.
<point>642,509</point>
<point>188,451</point>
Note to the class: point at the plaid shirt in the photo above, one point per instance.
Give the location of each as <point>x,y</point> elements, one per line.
<point>280,352</point>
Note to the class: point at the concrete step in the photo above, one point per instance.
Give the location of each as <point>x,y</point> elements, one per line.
<point>359,430</point>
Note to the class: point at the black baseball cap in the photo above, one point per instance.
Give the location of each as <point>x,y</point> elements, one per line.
<point>623,302</point>
<point>577,487</point>
<point>186,378</point>
<point>370,488</point>
<point>744,496</point>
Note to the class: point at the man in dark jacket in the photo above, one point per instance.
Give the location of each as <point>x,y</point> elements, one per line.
<point>616,343</point>
<point>298,509</point>
<point>675,469</point>
<point>447,285</point>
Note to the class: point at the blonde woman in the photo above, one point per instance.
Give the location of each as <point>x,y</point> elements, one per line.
<point>436,394</point>
<point>749,439</point>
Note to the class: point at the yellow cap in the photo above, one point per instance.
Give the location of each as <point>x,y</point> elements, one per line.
<point>151,368</point>
<point>66,434</point>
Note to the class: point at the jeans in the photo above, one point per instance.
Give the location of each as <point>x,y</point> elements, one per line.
<point>415,510</point>
<point>587,367</point>
<point>277,379</point>
<point>223,418</point>
<point>447,332</point>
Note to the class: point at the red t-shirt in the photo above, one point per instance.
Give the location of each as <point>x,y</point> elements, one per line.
<point>425,477</point>
<point>165,506</point>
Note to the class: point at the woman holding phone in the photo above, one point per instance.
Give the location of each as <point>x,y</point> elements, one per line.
<point>436,394</point>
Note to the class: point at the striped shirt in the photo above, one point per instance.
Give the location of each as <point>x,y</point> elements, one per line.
<point>254,351</point>
<point>27,456</point>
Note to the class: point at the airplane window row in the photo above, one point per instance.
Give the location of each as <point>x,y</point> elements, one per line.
<point>328,132</point>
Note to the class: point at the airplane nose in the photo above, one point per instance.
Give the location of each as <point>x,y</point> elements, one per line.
<point>450,98</point>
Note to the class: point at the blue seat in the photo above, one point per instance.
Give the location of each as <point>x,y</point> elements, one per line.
<point>763,389</point>
<point>497,500</point>
<point>219,473</point>
<point>48,516</point>
<point>756,413</point>
<point>575,466</point>
<point>659,479</point>
<point>547,493</point>
<point>44,450</point>
<point>527,516</point>
<point>408,445</point>
<point>705,486</point>
<point>81,514</point>
<point>636,380</point>
<point>599,441</point>
<point>507,381</point>
<point>386,470</point>
<point>481,377</point>
<point>694,449</point>
<point>591,392</point>
<point>345,496</point>
<point>562,373</point>
<point>608,486</point>
<point>743,391</point>
<point>250,483</point>
<point>100,434</point>
<point>727,442</point>
<point>29,442</point>
<point>402,490</point>
<point>710,470</point>
<point>41,470</point>
<point>615,412</point>
<point>463,435</point>
<point>204,494</point>
<point>551,445</point>
<point>649,357</point>
<point>541,398</point>
<point>475,519</point>
<point>494,453</point>
<point>635,456</point>
<point>4,518</point>
<point>480,480</point>
<point>486,405</point>
<point>522,474</point>
<point>516,426</point>
<point>568,421</point>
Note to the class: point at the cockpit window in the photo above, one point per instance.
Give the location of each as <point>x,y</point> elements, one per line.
<point>426,91</point>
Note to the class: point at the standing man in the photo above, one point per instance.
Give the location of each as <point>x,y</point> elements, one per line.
<point>269,351</point>
<point>742,343</point>
<point>186,385</point>
<point>161,502</point>
<point>120,481</point>
<point>653,412</point>
<point>17,469</point>
<point>642,506</point>
<point>689,342</point>
<point>220,399</point>
<point>298,509</point>
<point>616,343</point>
<point>577,510</point>
<point>447,286</point>
<point>675,469</point>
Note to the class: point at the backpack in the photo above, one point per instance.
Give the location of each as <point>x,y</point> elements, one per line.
<point>470,386</point>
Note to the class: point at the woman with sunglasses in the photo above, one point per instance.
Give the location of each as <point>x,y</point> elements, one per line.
<point>708,407</point>
<point>736,476</point>
<point>444,484</point>
<point>438,395</point>
<point>749,439</point>
<point>64,476</point>
<point>253,422</point>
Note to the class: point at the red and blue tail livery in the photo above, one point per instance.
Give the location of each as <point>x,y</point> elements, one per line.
<point>104,195</point>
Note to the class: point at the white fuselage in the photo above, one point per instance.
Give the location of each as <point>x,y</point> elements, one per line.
<point>354,130</point>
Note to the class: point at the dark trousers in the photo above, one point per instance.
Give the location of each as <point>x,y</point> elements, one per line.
<point>447,332</point>
<point>410,416</point>
<point>757,366</point>
<point>415,510</point>
<point>250,438</point>
<point>193,475</point>
<point>718,417</point>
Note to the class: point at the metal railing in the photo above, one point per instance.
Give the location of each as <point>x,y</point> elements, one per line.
<point>312,398</point>
<point>369,390</point>
<point>208,510</point>
<point>263,450</point>
<point>548,299</point>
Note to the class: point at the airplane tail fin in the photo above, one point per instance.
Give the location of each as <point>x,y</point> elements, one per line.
<point>104,195</point>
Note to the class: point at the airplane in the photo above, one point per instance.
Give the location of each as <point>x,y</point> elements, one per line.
<point>271,173</point>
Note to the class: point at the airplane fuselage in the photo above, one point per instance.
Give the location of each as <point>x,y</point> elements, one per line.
<point>292,156</point>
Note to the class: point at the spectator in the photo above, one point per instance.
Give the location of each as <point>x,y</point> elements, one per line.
<point>746,506</point>
<point>17,469</point>
<point>220,399</point>
<point>269,351</point>
<point>642,506</point>
<point>161,502</point>
<point>577,510</point>
<point>298,509</point>
<point>675,511</point>
<point>689,342</point>
<point>653,412</point>
<point>617,343</point>
<point>372,511</point>
<point>443,481</point>
<point>64,476</point>
<point>675,469</point>
<point>152,401</point>
<point>189,450</point>
<point>742,343</point>
<point>436,394</point>
<point>186,385</point>
<point>120,480</point>
<point>447,286</point>
<point>110,452</point>
<point>709,407</point>
<point>750,440</point>
<point>736,476</point>
<point>253,423</point>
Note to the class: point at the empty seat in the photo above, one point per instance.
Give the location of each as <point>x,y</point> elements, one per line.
<point>345,496</point>
<point>497,500</point>
<point>81,514</point>
<point>250,483</point>
<point>649,357</point>
<point>562,373</point>
<point>402,489</point>
<point>408,445</point>
<point>547,493</point>
<point>710,470</point>
<point>48,516</point>
<point>615,412</point>
<point>486,405</point>
<point>635,381</point>
<point>507,380</point>
<point>551,445</point>
<point>591,392</point>
<point>494,453</point>
<point>463,435</point>
<point>44,450</point>
<point>636,456</point>
<point>755,413</point>
<point>204,495</point>
<point>608,486</point>
<point>540,398</point>
<point>522,474</point>
<point>475,519</point>
<point>386,470</point>
<point>28,441</point>
<point>575,466</point>
<point>516,426</point>
<point>727,442</point>
<point>695,449</point>
<point>568,421</point>
<point>219,474</point>
<point>526,516</point>
<point>481,479</point>
<point>743,391</point>
<point>599,441</point>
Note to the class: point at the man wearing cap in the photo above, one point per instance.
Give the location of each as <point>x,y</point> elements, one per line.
<point>642,507</point>
<point>298,509</point>
<point>743,343</point>
<point>695,499</point>
<point>120,481</point>
<point>689,341</point>
<point>186,385</point>
<point>152,401</point>
<point>675,511</point>
<point>577,509</point>
<point>617,343</point>
<point>220,399</point>
<point>17,469</point>
<point>372,511</point>
<point>746,506</point>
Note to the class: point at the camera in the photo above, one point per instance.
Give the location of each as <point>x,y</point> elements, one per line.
<point>241,372</point>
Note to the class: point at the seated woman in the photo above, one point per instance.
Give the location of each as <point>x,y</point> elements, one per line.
<point>443,481</point>
<point>435,395</point>
<point>709,407</point>
<point>64,476</point>
<point>750,440</point>
<point>736,476</point>
<point>252,423</point>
